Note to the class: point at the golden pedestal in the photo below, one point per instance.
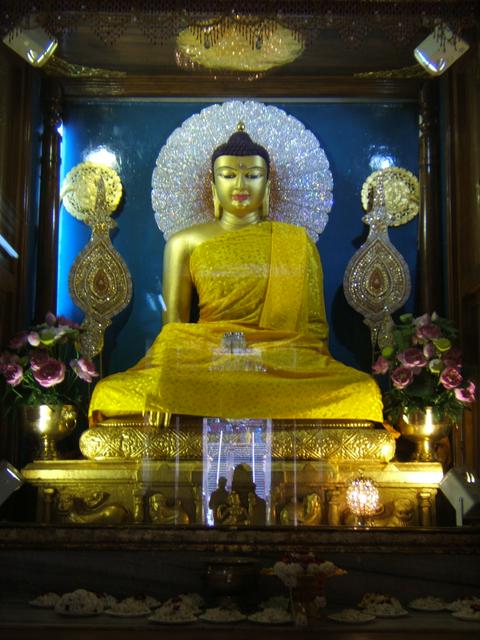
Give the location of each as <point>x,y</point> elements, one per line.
<point>332,440</point>
<point>303,492</point>
<point>140,474</point>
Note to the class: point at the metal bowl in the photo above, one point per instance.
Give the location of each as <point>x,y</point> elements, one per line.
<point>225,576</point>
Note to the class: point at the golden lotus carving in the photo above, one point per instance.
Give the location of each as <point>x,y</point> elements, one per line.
<point>332,444</point>
<point>401,192</point>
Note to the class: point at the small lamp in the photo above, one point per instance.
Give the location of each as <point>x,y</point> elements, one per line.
<point>461,487</point>
<point>10,480</point>
<point>35,46</point>
<point>440,50</point>
<point>363,499</point>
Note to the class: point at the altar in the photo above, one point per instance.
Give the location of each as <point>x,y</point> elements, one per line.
<point>231,316</point>
<point>92,492</point>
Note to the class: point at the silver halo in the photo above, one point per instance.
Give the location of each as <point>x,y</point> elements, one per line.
<point>301,181</point>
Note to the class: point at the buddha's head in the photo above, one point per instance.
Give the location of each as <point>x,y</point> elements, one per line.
<point>240,170</point>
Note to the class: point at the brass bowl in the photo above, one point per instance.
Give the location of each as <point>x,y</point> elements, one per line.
<point>226,576</point>
<point>424,429</point>
<point>49,423</point>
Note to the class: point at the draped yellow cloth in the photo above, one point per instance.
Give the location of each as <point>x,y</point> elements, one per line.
<point>266,281</point>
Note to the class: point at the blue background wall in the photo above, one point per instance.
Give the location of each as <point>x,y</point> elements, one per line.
<point>358,138</point>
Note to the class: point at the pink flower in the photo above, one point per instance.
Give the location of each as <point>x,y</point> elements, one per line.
<point>19,341</point>
<point>466,394</point>
<point>66,322</point>
<point>453,357</point>
<point>423,320</point>
<point>7,358</point>
<point>451,378</point>
<point>13,374</point>
<point>381,365</point>
<point>402,377</point>
<point>429,350</point>
<point>38,358</point>
<point>428,332</point>
<point>50,319</point>
<point>33,338</point>
<point>412,358</point>
<point>85,369</point>
<point>50,373</point>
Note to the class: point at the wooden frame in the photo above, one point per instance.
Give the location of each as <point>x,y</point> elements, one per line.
<point>429,285</point>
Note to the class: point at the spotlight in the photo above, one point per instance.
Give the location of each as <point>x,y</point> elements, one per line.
<point>33,45</point>
<point>440,50</point>
<point>461,487</point>
<point>10,480</point>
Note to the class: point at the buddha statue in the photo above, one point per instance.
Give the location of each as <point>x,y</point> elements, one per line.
<point>256,278</point>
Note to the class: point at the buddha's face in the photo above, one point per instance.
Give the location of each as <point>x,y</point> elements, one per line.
<point>240,183</point>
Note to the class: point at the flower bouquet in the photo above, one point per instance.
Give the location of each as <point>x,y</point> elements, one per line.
<point>425,369</point>
<point>428,391</point>
<point>304,575</point>
<point>42,364</point>
<point>43,374</point>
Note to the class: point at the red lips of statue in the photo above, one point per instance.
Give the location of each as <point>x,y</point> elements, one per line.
<point>240,197</point>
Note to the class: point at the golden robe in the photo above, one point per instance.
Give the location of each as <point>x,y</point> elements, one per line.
<point>266,281</point>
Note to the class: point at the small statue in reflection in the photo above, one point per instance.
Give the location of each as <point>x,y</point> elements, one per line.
<point>218,497</point>
<point>257,508</point>
<point>307,511</point>
<point>242,481</point>
<point>232,512</point>
<point>162,513</point>
<point>403,512</point>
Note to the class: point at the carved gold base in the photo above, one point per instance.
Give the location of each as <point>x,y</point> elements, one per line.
<point>164,493</point>
<point>335,441</point>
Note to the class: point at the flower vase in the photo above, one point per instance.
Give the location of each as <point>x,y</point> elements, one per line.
<point>49,423</point>
<point>308,596</point>
<point>424,428</point>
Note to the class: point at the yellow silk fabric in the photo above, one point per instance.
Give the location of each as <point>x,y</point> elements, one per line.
<point>265,280</point>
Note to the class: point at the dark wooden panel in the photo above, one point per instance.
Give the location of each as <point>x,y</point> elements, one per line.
<point>15,144</point>
<point>429,253</point>
<point>272,87</point>
<point>15,139</point>
<point>463,230</point>
<point>46,289</point>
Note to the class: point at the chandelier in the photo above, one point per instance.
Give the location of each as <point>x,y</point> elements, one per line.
<point>363,499</point>
<point>239,43</point>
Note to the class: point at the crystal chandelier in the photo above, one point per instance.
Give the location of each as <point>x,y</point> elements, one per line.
<point>239,43</point>
<point>363,499</point>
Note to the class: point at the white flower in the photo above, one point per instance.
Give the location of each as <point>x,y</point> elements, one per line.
<point>288,573</point>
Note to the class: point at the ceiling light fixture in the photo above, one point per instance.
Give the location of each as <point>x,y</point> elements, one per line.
<point>35,46</point>
<point>440,50</point>
<point>240,43</point>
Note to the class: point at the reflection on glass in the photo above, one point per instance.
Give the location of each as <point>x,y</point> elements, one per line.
<point>237,470</point>
<point>4,244</point>
<point>381,160</point>
<point>103,155</point>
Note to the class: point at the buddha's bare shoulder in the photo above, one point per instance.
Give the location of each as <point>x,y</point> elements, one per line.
<point>193,236</point>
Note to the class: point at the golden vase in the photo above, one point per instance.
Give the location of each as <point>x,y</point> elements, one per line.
<point>50,423</point>
<point>424,428</point>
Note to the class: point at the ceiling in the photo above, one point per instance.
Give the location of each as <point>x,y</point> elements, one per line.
<point>325,54</point>
<point>342,37</point>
